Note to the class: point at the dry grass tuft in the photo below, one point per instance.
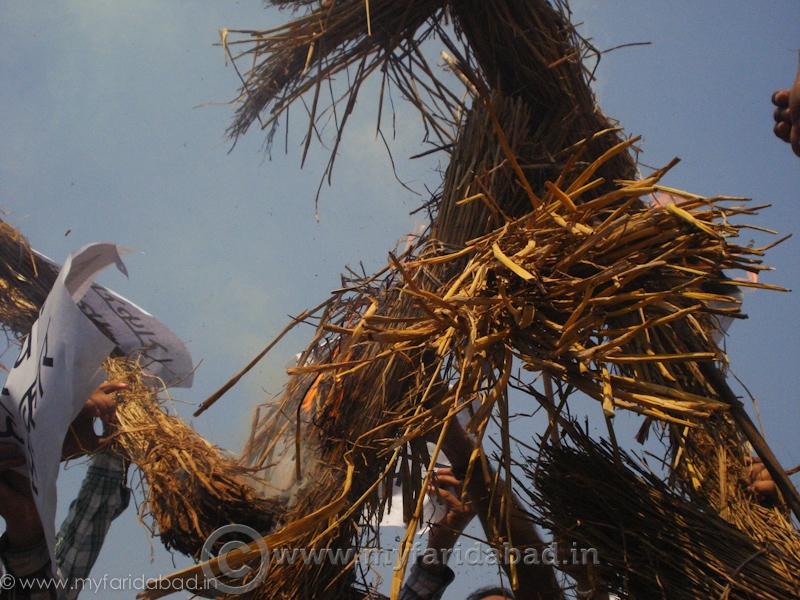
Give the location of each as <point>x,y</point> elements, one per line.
<point>25,282</point>
<point>652,542</point>
<point>190,487</point>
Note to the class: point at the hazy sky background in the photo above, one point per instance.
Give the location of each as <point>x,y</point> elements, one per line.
<point>113,121</point>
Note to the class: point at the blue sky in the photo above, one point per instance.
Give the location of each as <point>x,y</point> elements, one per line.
<point>113,128</point>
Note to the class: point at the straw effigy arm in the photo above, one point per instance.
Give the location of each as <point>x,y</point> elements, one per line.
<point>652,542</point>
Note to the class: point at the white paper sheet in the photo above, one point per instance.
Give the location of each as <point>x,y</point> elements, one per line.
<point>56,370</point>
<point>136,333</point>
<point>433,509</point>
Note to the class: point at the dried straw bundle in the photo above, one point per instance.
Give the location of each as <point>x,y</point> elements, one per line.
<point>713,472</point>
<point>549,289</point>
<point>526,50</point>
<point>304,54</point>
<point>577,278</point>
<point>190,487</point>
<point>652,542</point>
<point>25,282</point>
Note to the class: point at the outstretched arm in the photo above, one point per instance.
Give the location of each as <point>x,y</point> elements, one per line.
<point>430,575</point>
<point>536,581</point>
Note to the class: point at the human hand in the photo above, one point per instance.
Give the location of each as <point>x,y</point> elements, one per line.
<point>103,401</point>
<point>446,487</point>
<point>760,482</point>
<point>81,437</point>
<point>787,114</point>
<point>23,527</point>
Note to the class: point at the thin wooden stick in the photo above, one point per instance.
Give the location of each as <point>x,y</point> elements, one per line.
<point>750,431</point>
<point>552,409</point>
<point>235,379</point>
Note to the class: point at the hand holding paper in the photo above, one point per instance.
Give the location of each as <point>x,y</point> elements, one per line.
<point>60,366</point>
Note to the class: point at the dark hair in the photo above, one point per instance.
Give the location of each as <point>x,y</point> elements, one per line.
<point>491,591</point>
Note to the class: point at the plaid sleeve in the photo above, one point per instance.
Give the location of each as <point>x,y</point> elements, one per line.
<point>424,584</point>
<point>102,498</point>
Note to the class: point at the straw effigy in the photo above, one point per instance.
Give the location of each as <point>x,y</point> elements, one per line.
<point>189,487</point>
<point>650,541</point>
<point>532,291</point>
<point>542,251</point>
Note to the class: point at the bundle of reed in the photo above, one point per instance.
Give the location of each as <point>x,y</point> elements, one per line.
<point>525,50</point>
<point>414,345</point>
<point>714,471</point>
<point>311,50</point>
<point>295,58</point>
<point>25,282</point>
<point>190,487</point>
<point>551,289</point>
<point>650,541</point>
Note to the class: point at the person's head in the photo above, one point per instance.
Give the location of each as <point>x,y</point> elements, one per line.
<point>491,593</point>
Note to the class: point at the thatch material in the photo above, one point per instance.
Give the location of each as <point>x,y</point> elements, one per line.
<point>190,488</point>
<point>652,542</point>
<point>306,52</point>
<point>481,149</point>
<point>541,249</point>
<point>526,51</point>
<point>714,472</point>
<point>25,282</point>
<point>551,290</point>
<point>578,278</point>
